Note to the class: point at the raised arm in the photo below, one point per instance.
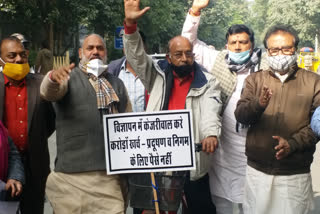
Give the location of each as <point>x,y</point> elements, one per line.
<point>133,46</point>
<point>204,54</point>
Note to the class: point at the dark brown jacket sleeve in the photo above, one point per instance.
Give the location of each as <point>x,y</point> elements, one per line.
<point>248,110</point>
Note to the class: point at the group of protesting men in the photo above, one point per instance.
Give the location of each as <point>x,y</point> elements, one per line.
<point>251,111</point>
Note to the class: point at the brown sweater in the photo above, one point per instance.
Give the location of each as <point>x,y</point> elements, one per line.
<point>287,115</point>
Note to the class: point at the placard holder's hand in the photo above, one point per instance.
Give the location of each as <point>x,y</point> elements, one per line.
<point>209,144</point>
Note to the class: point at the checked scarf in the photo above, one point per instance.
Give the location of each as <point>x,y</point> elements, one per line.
<point>238,68</point>
<point>106,96</point>
<point>251,63</point>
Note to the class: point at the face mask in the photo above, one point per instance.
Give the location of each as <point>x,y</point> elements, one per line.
<point>239,58</point>
<point>15,71</point>
<point>281,63</point>
<point>96,67</point>
<point>183,70</point>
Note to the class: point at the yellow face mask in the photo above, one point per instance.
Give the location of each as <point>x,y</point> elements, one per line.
<point>16,71</point>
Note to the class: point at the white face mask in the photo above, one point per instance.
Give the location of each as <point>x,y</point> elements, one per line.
<point>281,63</point>
<point>96,67</point>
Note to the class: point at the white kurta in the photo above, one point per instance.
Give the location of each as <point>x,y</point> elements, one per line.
<point>271,194</point>
<point>228,168</point>
<point>228,165</point>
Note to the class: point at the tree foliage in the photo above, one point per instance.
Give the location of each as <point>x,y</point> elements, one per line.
<point>218,17</point>
<point>303,15</point>
<point>162,22</point>
<point>59,20</point>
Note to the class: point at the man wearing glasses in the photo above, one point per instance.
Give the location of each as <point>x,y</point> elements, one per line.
<point>179,83</point>
<point>230,67</point>
<point>277,103</point>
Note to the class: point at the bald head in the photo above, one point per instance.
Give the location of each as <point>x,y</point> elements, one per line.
<point>178,40</point>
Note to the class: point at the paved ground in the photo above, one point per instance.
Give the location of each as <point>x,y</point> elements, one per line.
<point>315,172</point>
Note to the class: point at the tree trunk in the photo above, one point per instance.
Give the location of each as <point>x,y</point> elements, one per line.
<point>76,45</point>
<point>51,41</point>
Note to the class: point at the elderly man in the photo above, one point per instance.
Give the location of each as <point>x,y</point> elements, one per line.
<point>277,103</point>
<point>28,118</point>
<point>231,67</point>
<point>81,96</point>
<point>179,83</point>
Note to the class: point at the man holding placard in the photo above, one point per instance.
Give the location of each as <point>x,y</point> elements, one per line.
<point>179,83</point>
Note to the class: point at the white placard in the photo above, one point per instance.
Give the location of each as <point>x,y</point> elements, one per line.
<point>149,142</point>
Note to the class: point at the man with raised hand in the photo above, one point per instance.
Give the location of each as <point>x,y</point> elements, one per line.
<point>278,103</point>
<point>179,83</point>
<point>81,96</point>
<point>230,67</point>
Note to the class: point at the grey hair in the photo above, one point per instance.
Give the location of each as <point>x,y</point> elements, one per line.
<point>85,37</point>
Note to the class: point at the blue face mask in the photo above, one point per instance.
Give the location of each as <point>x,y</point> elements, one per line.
<point>239,58</point>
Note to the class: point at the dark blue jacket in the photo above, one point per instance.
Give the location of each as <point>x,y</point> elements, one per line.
<point>115,66</point>
<point>15,167</point>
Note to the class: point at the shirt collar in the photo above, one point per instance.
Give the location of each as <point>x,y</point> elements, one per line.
<point>7,81</point>
<point>184,79</point>
<point>124,67</point>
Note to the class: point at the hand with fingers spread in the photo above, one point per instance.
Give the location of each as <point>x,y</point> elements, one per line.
<point>61,74</point>
<point>132,11</point>
<point>15,186</point>
<point>209,144</point>
<point>198,5</point>
<point>265,96</point>
<point>283,149</point>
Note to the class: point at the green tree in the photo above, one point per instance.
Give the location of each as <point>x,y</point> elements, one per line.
<point>303,15</point>
<point>257,19</point>
<point>218,17</point>
<point>162,22</point>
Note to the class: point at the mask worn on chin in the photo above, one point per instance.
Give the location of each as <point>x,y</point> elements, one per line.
<point>281,63</point>
<point>15,71</point>
<point>96,67</point>
<point>183,70</point>
<point>239,58</point>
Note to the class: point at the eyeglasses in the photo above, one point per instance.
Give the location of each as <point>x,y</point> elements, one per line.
<point>284,51</point>
<point>179,55</point>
